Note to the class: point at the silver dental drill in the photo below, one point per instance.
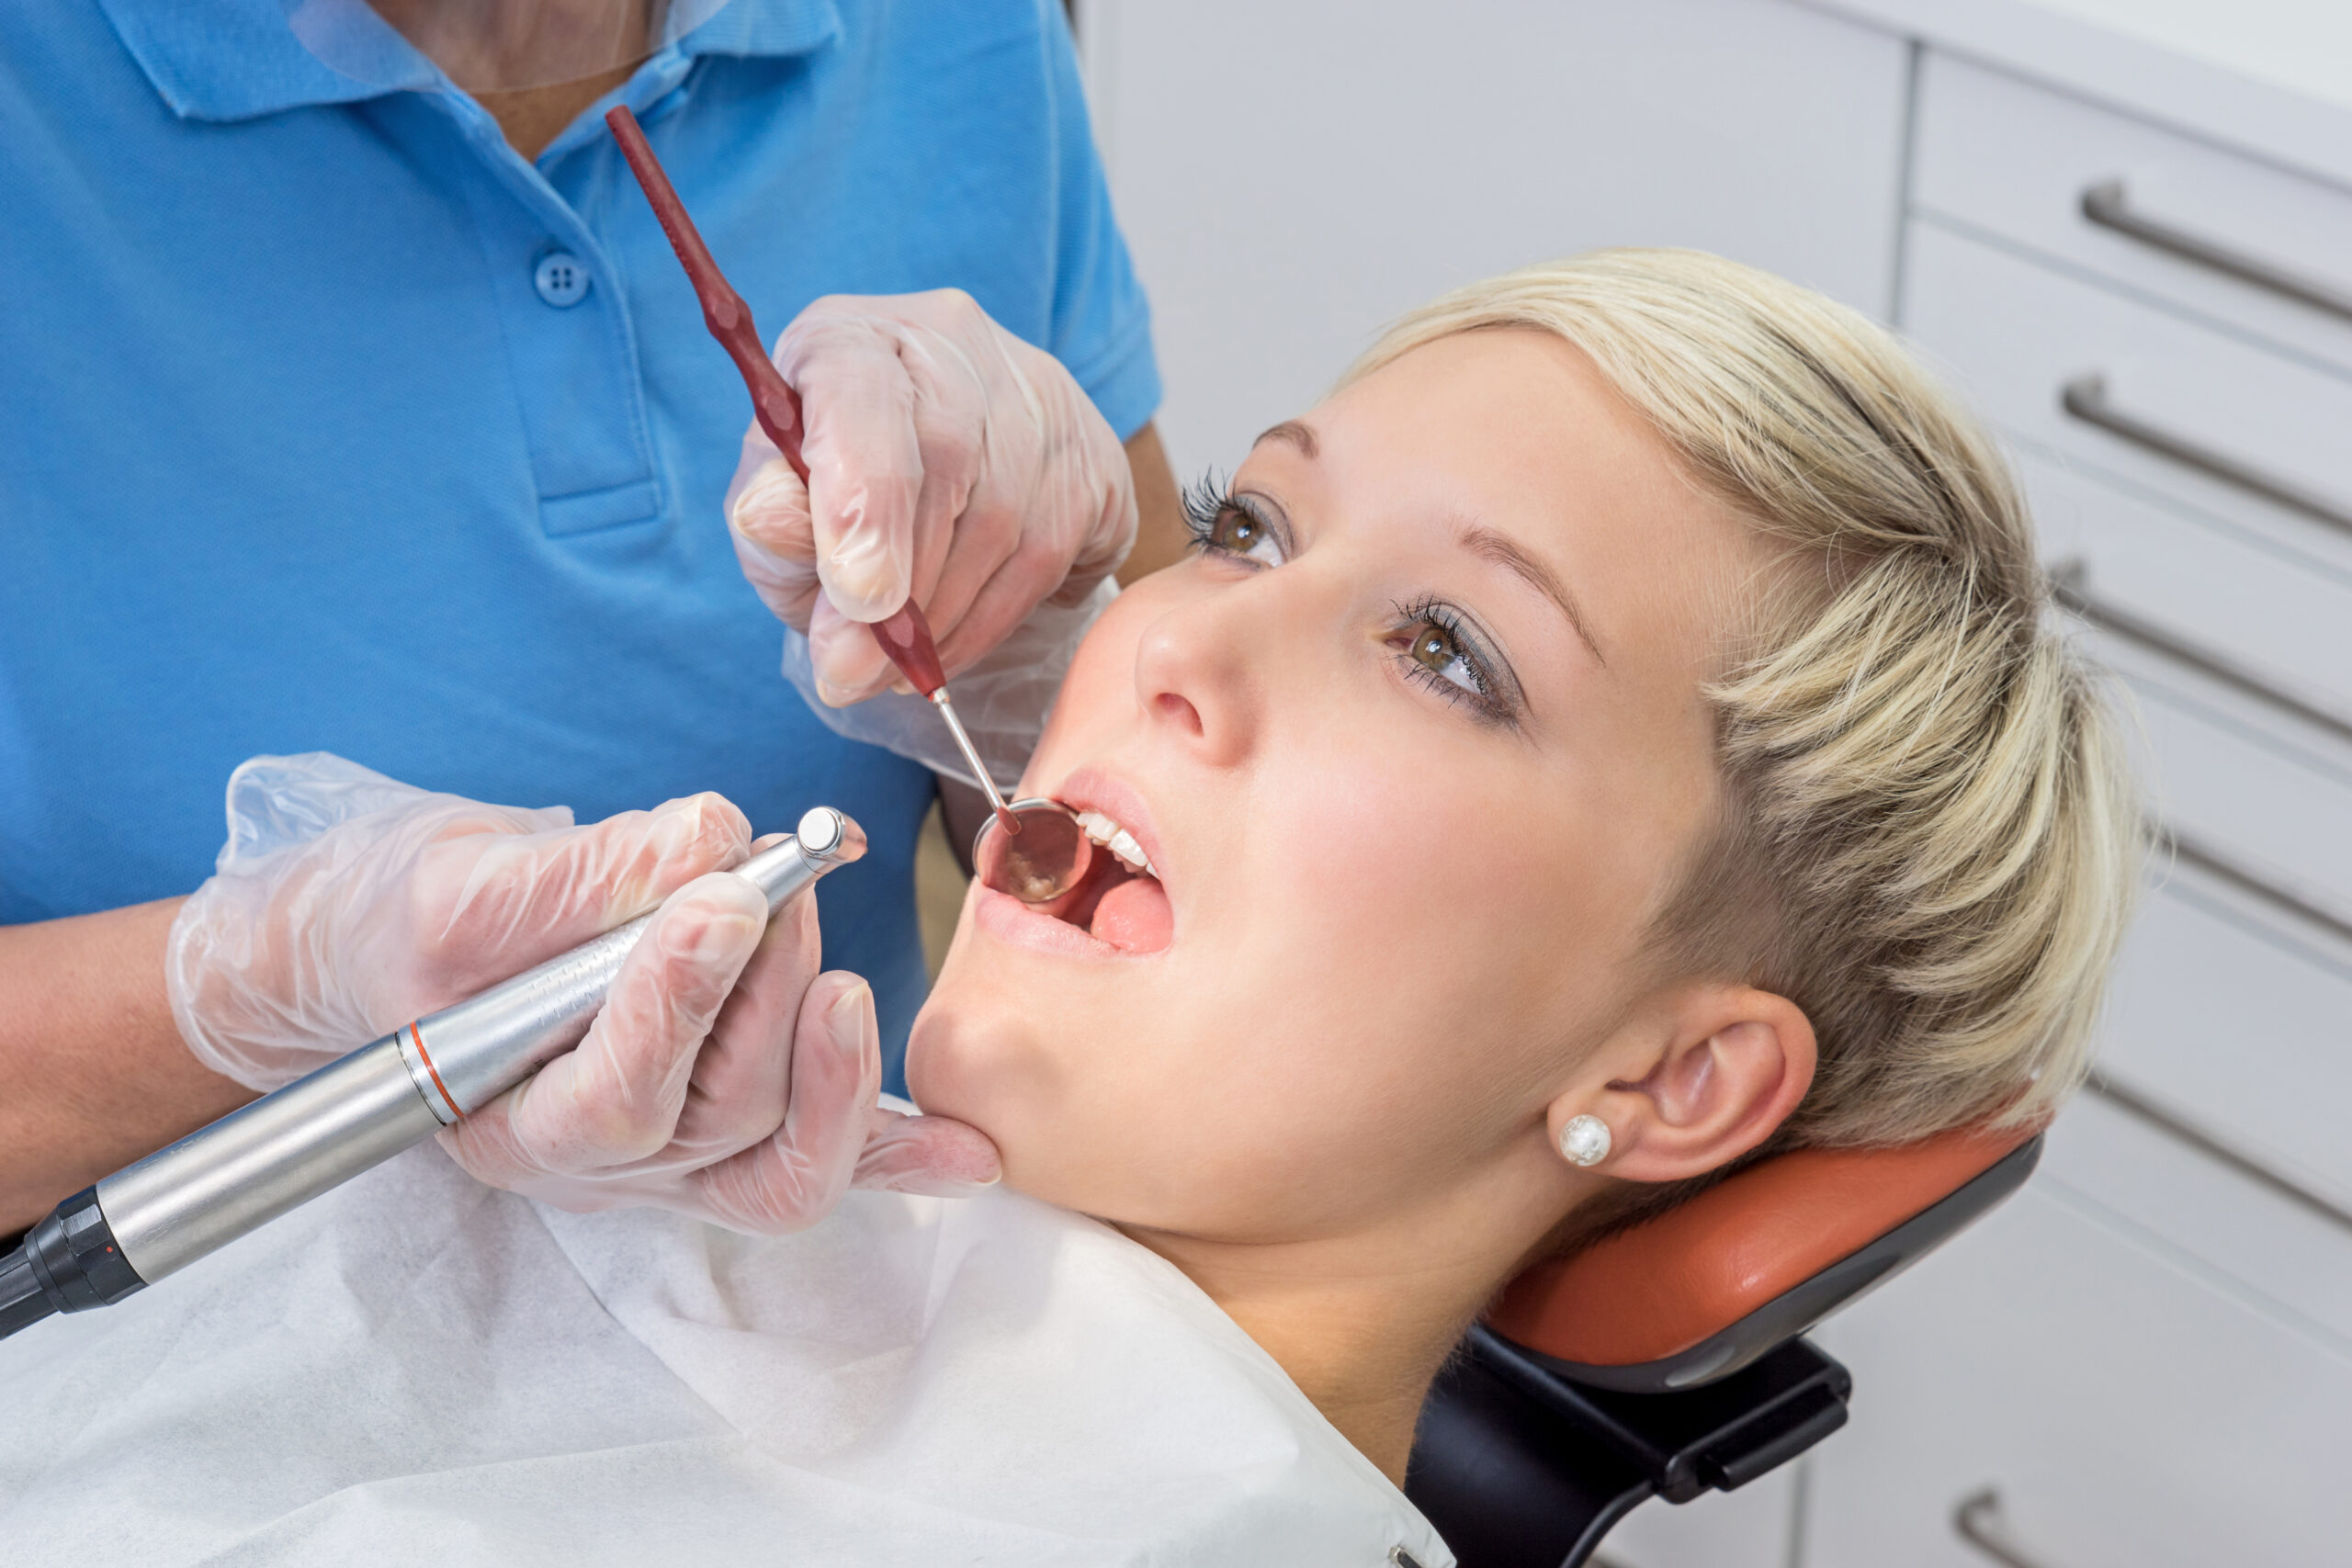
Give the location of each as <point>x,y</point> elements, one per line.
<point>161,1214</point>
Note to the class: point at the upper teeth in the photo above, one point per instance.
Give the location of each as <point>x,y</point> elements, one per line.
<point>1117,839</point>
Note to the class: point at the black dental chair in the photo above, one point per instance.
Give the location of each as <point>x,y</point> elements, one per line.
<point>1669,1359</point>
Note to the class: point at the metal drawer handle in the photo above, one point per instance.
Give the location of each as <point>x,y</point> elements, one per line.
<point>2221,868</point>
<point>2191,851</point>
<point>2107,205</point>
<point>2084,397</point>
<point>1976,1519</point>
<point>2070,586</point>
<point>2126,1098</point>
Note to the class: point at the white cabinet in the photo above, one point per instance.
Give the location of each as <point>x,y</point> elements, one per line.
<point>2124,1404</point>
<point>1752,1528</point>
<point>2230,1017</point>
<point>2012,162</point>
<point>2017,333</point>
<point>1291,177</point>
<point>2147,1356</point>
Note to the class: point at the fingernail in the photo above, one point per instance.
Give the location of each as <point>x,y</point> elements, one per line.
<point>679,816</point>
<point>863,581</point>
<point>761,497</point>
<point>718,933</point>
<point>726,935</point>
<point>685,823</point>
<point>845,1018</point>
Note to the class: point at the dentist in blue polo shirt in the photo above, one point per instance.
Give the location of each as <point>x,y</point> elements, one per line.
<point>362,451</point>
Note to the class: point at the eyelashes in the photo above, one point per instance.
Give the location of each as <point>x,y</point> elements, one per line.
<point>1433,642</point>
<point>1205,500</point>
<point>1432,637</point>
<point>1237,527</point>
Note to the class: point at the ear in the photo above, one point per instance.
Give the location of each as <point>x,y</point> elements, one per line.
<point>1728,1066</point>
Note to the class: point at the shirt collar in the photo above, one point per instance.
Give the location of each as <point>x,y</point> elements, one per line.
<point>239,58</point>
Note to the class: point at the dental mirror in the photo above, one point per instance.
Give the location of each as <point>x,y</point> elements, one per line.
<point>1044,859</point>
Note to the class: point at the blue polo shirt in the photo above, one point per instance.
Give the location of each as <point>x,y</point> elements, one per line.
<point>329,423</point>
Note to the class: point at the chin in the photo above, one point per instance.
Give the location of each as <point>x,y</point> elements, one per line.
<point>973,1059</point>
<point>987,1059</point>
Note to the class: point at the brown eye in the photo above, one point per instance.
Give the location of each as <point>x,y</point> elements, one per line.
<point>1450,657</point>
<point>1234,530</point>
<point>1435,649</point>
<point>1440,655</point>
<point>1237,531</point>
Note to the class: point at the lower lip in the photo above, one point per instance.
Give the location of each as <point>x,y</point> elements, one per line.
<point>1009,919</point>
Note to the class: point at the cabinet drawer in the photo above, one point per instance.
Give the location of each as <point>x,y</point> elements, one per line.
<point>2011,159</point>
<point>2281,618</point>
<point>2268,795</point>
<point>2017,335</point>
<point>2124,1406</point>
<point>2238,1023</point>
<point>2021,334</point>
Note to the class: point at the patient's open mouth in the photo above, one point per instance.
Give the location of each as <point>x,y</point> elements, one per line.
<point>1121,902</point>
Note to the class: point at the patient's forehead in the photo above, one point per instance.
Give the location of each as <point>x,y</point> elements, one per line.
<point>1517,429</point>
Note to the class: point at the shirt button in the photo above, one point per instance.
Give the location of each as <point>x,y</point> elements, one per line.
<point>560,279</point>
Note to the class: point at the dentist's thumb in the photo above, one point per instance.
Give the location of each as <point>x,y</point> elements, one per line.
<point>866,545</point>
<point>851,543</point>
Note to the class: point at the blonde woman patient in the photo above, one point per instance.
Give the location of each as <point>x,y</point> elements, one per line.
<point>1614,734</point>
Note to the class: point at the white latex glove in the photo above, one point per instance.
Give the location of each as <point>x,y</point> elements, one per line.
<point>1003,700</point>
<point>345,903</point>
<point>680,1097</point>
<point>949,460</point>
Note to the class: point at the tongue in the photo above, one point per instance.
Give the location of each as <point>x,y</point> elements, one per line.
<point>1135,916</point>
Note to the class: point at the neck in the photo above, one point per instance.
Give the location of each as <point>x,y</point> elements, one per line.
<point>532,117</point>
<point>1360,1323</point>
<point>488,50</point>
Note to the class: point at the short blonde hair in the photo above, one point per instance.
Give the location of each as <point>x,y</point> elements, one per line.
<point>1923,792</point>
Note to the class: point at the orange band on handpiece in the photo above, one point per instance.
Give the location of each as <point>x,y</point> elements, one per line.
<point>417,1035</point>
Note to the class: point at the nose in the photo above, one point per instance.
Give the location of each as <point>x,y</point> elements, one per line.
<point>1200,679</point>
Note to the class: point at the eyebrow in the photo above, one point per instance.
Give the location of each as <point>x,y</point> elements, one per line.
<point>1296,431</point>
<point>1477,539</point>
<point>1491,546</point>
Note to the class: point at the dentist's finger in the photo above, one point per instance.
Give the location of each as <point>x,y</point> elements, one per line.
<point>774,532</point>
<point>932,1155</point>
<point>741,1082</point>
<point>615,1097</point>
<point>1024,579</point>
<point>795,1178</point>
<point>865,457</point>
<point>486,906</point>
<point>848,663</point>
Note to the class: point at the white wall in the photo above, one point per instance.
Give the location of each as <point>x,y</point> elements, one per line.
<point>1292,175</point>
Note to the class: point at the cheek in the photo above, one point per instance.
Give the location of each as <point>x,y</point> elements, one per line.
<point>1381,934</point>
<point>1423,918</point>
<point>1100,685</point>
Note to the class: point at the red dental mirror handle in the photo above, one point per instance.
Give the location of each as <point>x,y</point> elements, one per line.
<point>905,635</point>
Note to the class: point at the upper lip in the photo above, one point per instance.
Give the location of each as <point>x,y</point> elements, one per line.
<point>1094,789</point>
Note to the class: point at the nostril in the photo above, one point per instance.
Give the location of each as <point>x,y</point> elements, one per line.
<point>1178,711</point>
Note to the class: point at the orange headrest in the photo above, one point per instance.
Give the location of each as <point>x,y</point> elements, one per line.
<point>1660,1287</point>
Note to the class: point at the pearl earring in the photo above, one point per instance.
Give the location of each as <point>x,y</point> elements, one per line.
<point>1585,1139</point>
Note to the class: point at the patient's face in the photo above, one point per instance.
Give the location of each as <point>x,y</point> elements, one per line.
<point>1416,745</point>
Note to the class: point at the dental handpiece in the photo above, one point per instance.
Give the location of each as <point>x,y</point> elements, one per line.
<point>157,1216</point>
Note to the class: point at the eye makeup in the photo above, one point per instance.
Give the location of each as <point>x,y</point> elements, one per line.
<point>1241,527</point>
<point>1436,643</point>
